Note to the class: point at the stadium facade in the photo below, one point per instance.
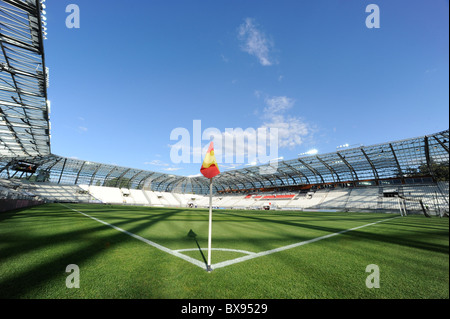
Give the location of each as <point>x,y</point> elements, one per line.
<point>27,162</point>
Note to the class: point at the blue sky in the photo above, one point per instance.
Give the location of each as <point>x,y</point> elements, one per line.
<point>136,70</point>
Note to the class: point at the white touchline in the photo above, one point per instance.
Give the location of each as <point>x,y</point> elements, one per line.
<point>249,256</point>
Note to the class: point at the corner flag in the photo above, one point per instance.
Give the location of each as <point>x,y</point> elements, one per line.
<point>210,169</point>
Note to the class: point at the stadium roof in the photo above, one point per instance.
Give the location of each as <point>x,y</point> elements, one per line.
<point>391,160</point>
<point>25,135</point>
<point>24,110</point>
<point>372,163</point>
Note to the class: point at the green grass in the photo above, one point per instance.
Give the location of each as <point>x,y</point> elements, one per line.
<point>37,244</point>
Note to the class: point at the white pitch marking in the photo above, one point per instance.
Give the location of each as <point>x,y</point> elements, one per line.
<point>268,252</point>
<point>218,249</point>
<point>149,242</point>
<point>249,256</point>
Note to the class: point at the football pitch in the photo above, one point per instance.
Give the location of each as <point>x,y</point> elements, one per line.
<point>141,252</point>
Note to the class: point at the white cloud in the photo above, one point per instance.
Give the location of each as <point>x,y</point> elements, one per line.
<point>255,42</point>
<point>156,163</point>
<point>244,145</point>
<point>232,166</point>
<point>278,104</point>
<point>278,128</point>
<point>172,169</point>
<point>82,129</point>
<point>161,164</point>
<point>292,130</point>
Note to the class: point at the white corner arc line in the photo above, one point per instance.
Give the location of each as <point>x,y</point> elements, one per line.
<point>149,242</point>
<point>218,249</point>
<point>268,252</point>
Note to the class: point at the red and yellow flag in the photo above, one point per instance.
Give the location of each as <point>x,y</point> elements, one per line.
<point>209,167</point>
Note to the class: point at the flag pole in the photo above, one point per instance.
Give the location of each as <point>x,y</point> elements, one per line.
<point>209,269</point>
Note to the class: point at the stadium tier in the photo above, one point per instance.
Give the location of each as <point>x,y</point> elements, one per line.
<point>349,179</point>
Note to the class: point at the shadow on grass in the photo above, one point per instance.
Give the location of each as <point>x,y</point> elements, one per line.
<point>193,235</point>
<point>413,239</point>
<point>10,213</point>
<point>19,283</point>
<point>84,248</point>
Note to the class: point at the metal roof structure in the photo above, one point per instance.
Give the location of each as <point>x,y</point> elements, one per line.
<point>25,136</point>
<point>391,162</point>
<point>24,110</point>
<point>388,161</point>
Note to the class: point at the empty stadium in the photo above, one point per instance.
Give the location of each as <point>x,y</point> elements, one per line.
<point>307,230</point>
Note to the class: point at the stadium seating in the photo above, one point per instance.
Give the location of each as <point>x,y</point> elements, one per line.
<point>313,199</point>
<point>109,195</point>
<point>138,197</point>
<point>429,194</point>
<point>369,198</point>
<point>171,199</point>
<point>47,191</point>
<point>363,198</point>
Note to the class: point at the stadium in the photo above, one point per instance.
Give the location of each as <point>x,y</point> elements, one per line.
<point>307,229</point>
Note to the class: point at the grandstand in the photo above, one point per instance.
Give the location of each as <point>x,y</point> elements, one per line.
<point>347,180</point>
<point>312,182</point>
